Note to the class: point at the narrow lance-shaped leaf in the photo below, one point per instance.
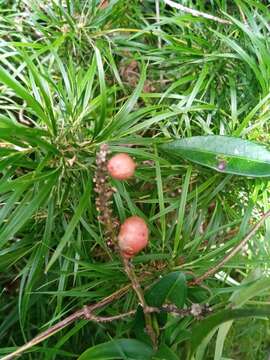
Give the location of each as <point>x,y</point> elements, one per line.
<point>103,95</point>
<point>239,298</point>
<point>20,91</point>
<point>122,118</point>
<point>71,226</point>
<point>26,209</point>
<point>200,331</point>
<point>43,88</point>
<point>224,154</point>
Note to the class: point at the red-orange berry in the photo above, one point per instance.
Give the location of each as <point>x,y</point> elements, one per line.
<point>133,236</point>
<point>121,166</point>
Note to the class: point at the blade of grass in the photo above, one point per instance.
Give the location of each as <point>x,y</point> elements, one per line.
<point>84,201</point>
<point>178,239</point>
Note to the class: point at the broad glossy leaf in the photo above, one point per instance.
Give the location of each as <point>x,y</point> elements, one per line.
<point>200,331</point>
<point>165,353</point>
<point>138,327</point>
<point>171,287</point>
<point>123,349</point>
<point>224,154</point>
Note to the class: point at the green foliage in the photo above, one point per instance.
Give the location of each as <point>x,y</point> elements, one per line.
<point>223,153</point>
<point>137,76</point>
<point>118,349</point>
<point>200,331</point>
<point>171,287</point>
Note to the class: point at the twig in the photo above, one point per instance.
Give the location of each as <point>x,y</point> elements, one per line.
<point>103,319</point>
<point>67,321</point>
<point>232,253</point>
<point>196,12</point>
<point>242,15</point>
<point>103,4</point>
<point>196,310</point>
<point>138,290</point>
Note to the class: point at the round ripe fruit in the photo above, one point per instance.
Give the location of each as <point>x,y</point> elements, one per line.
<point>121,166</point>
<point>133,236</point>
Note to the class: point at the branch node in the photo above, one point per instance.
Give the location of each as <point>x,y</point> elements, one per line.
<point>86,313</point>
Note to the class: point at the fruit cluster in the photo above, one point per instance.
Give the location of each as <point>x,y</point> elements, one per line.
<point>133,235</point>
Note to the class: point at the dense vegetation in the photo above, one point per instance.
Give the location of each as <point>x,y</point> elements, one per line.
<point>76,74</point>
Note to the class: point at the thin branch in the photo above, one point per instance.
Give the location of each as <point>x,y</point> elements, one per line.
<point>196,310</point>
<point>104,319</point>
<point>196,12</point>
<point>138,290</point>
<point>103,4</point>
<point>231,254</point>
<point>79,314</point>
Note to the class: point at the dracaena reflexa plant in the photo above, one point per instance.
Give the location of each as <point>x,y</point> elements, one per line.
<point>186,98</point>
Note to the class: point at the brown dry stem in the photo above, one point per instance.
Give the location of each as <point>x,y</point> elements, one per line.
<point>80,314</point>
<point>233,252</point>
<point>196,310</point>
<point>139,292</point>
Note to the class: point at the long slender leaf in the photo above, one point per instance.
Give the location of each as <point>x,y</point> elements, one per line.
<point>20,91</point>
<point>26,209</point>
<point>84,201</point>
<point>200,331</point>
